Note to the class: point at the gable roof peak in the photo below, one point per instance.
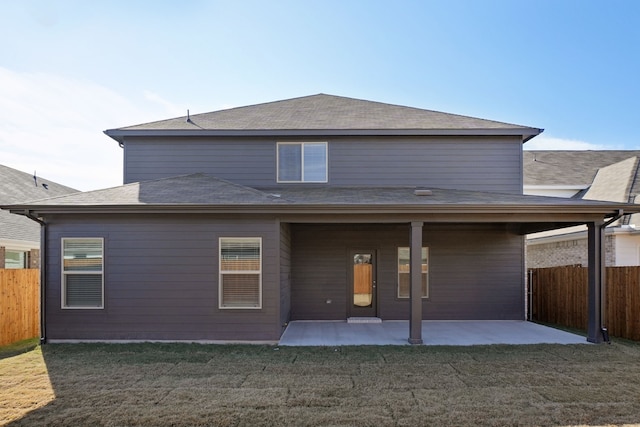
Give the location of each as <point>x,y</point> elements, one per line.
<point>324,114</point>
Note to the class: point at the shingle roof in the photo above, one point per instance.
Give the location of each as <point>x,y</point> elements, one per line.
<point>195,189</point>
<point>547,167</point>
<point>324,112</point>
<point>614,182</point>
<point>611,175</point>
<point>18,187</point>
<point>204,190</point>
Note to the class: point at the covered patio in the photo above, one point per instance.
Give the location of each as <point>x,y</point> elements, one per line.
<point>434,332</point>
<point>474,243</point>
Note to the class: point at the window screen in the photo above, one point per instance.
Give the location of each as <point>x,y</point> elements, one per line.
<point>302,162</point>
<point>315,162</point>
<point>240,272</point>
<point>290,162</point>
<point>82,273</point>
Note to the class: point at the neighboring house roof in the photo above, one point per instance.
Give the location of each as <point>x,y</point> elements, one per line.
<point>204,193</point>
<point>611,175</point>
<point>614,182</point>
<point>20,187</point>
<point>324,114</point>
<point>195,189</point>
<point>548,167</point>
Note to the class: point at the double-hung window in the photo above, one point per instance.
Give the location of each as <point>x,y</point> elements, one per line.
<point>15,259</point>
<point>404,273</point>
<point>240,283</point>
<point>82,273</point>
<point>302,162</point>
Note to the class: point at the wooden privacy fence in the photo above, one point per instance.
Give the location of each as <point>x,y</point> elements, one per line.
<point>559,296</point>
<point>19,305</point>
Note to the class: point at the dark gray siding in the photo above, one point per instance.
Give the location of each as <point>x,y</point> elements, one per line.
<point>467,163</point>
<point>481,164</point>
<point>476,271</point>
<point>161,279</point>
<point>245,162</point>
<point>285,273</point>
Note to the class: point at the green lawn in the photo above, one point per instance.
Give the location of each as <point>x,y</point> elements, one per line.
<point>225,385</point>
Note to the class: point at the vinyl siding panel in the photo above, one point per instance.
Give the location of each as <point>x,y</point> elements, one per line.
<point>476,271</point>
<point>480,164</point>
<point>161,279</point>
<point>245,162</point>
<point>467,163</point>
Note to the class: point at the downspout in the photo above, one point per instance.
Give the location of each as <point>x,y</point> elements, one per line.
<point>43,264</point>
<point>530,295</point>
<point>603,291</point>
<point>618,215</point>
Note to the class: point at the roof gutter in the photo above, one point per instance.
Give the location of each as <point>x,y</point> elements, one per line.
<point>354,209</point>
<point>120,134</point>
<point>532,135</point>
<point>613,219</point>
<point>43,267</point>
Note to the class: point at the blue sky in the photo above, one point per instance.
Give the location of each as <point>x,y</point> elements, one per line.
<point>71,69</point>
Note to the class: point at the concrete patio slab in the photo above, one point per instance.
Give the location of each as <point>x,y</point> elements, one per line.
<point>396,332</point>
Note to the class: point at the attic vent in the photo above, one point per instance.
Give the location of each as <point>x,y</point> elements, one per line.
<point>422,192</point>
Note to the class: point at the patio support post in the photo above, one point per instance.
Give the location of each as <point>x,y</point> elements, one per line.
<point>596,283</point>
<point>415,289</point>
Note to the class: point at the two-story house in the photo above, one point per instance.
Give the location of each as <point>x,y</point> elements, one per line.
<point>230,224</point>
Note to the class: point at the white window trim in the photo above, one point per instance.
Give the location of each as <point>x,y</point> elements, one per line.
<point>398,276</point>
<point>63,282</point>
<point>302,180</point>
<point>221,272</point>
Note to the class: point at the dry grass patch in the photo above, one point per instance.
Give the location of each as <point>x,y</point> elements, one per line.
<point>298,382</point>
<point>204,385</point>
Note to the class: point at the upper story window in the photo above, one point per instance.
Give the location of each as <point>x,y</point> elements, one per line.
<point>302,162</point>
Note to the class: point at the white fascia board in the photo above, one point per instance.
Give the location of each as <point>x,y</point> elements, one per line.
<point>623,229</point>
<point>569,233</point>
<point>562,191</point>
<point>19,245</point>
<point>556,187</point>
<point>575,234</point>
